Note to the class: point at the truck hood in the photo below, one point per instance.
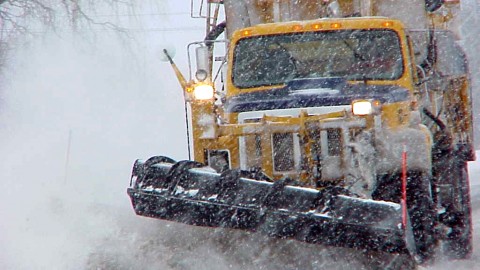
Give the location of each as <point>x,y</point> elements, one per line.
<point>314,92</point>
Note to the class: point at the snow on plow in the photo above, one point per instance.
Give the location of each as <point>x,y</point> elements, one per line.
<point>188,193</point>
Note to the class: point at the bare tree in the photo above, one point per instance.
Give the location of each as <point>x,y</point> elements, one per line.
<point>15,13</point>
<point>34,17</point>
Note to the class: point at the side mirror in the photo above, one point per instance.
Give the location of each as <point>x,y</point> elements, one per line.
<point>201,75</point>
<point>202,57</point>
<point>433,5</point>
<point>166,53</point>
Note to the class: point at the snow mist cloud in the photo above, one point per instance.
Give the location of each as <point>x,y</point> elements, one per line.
<point>74,115</point>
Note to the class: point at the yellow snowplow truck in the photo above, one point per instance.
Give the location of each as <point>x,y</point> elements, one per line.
<point>344,123</point>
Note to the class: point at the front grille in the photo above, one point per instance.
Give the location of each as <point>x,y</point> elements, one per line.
<point>219,160</point>
<point>334,140</point>
<point>283,159</point>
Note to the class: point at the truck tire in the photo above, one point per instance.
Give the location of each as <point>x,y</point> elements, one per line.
<point>420,206</point>
<point>421,210</point>
<point>458,243</point>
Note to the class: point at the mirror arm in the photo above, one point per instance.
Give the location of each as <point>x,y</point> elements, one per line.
<point>178,73</point>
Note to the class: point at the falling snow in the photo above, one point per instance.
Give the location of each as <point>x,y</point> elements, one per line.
<point>100,103</point>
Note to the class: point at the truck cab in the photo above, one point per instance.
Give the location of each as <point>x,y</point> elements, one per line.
<point>326,83</point>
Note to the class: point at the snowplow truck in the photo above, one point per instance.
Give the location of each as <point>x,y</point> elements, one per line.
<point>344,123</point>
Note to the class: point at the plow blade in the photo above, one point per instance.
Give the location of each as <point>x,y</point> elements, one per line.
<point>183,192</point>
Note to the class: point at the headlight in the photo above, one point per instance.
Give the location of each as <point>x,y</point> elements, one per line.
<point>362,107</point>
<point>203,92</point>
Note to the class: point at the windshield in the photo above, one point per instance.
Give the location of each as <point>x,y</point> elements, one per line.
<point>352,54</point>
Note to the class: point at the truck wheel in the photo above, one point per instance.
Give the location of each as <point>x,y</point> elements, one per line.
<point>420,207</point>
<point>421,210</point>
<point>458,244</point>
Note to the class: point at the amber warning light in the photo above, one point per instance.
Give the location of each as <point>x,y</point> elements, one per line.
<point>246,32</point>
<point>336,25</point>
<point>297,27</point>
<point>387,24</point>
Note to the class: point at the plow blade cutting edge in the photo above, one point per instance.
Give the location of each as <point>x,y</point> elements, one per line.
<point>186,193</point>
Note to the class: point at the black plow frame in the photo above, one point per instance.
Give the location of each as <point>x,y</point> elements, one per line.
<point>183,192</point>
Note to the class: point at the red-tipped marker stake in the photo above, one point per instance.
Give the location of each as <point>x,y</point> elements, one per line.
<point>404,187</point>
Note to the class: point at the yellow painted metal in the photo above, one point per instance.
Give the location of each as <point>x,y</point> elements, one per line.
<point>396,115</point>
<point>457,100</point>
<point>201,112</point>
<point>278,124</point>
<point>178,73</point>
